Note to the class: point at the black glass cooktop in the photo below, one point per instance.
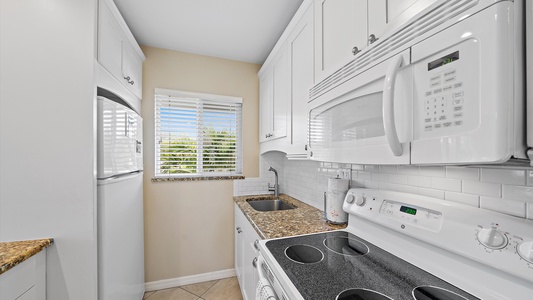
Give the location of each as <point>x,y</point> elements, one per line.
<point>352,268</point>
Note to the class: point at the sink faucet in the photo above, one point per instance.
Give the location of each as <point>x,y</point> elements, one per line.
<point>274,188</point>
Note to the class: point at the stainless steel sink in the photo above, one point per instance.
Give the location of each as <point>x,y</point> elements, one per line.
<point>269,205</point>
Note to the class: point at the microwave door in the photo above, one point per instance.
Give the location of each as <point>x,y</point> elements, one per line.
<point>347,124</point>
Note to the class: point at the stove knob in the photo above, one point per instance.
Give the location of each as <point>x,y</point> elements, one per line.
<point>350,198</point>
<point>492,238</point>
<point>526,251</point>
<point>360,201</point>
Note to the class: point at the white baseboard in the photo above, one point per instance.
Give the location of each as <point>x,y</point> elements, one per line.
<point>192,279</point>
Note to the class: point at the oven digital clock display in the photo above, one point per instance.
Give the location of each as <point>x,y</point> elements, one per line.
<point>408,210</point>
<point>443,60</point>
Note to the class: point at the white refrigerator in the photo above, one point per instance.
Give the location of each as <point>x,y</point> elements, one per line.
<point>120,202</point>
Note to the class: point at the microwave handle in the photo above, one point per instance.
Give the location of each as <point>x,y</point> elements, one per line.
<point>388,107</point>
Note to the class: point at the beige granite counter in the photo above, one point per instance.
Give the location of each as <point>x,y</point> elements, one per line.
<point>304,219</point>
<point>13,253</point>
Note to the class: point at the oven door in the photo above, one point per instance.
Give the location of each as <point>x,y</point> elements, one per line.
<point>367,119</point>
<point>268,286</point>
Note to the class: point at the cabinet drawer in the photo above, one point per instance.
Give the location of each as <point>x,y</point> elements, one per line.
<point>21,280</point>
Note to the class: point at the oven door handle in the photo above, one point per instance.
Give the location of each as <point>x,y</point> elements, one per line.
<point>388,107</point>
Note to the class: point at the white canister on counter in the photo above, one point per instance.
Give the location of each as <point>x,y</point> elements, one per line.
<point>333,200</point>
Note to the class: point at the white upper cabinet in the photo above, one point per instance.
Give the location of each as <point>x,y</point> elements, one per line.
<point>274,99</point>
<point>300,44</point>
<point>341,31</point>
<point>345,27</point>
<point>118,52</point>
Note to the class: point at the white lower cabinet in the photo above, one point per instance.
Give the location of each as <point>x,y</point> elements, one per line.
<point>26,281</point>
<point>245,253</point>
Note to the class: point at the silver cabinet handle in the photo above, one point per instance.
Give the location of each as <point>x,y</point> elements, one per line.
<point>132,82</point>
<point>127,78</point>
<point>238,228</point>
<point>355,50</point>
<point>256,244</point>
<point>372,38</point>
<point>254,263</point>
<point>239,231</point>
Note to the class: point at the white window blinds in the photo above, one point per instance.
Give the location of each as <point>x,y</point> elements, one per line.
<point>197,134</point>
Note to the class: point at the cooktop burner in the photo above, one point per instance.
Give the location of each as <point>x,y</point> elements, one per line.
<point>304,254</point>
<point>361,294</point>
<point>334,272</point>
<point>346,246</point>
<point>435,293</point>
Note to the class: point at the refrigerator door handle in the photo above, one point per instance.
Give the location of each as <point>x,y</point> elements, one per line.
<point>121,175</point>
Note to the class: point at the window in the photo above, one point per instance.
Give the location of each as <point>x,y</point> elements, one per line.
<point>197,134</point>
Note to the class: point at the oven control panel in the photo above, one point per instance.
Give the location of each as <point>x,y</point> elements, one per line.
<point>413,215</point>
<point>494,239</point>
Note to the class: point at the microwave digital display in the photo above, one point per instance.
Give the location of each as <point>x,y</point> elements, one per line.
<point>443,60</point>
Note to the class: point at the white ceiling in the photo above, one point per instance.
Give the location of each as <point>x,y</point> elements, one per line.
<point>243,30</point>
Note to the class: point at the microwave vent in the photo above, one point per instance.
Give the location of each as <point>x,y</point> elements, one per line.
<point>394,42</point>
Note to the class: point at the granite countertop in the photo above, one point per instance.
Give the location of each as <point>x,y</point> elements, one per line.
<point>13,253</point>
<point>304,219</point>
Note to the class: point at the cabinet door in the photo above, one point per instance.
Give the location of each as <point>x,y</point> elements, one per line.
<point>341,25</point>
<point>132,69</point>
<point>109,42</point>
<point>302,79</point>
<point>280,93</point>
<point>377,18</point>
<point>265,109</point>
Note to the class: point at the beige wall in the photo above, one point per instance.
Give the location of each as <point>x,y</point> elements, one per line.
<point>189,225</point>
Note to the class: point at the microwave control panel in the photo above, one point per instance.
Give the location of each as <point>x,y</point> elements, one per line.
<point>446,84</point>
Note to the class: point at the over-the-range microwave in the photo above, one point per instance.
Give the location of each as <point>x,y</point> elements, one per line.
<point>447,87</point>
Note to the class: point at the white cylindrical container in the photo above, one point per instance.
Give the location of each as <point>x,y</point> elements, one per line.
<point>337,188</point>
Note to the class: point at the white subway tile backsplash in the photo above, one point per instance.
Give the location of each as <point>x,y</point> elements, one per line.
<point>462,173</point>
<point>371,184</point>
<point>372,168</point>
<point>382,177</point>
<point>446,184</point>
<point>357,183</point>
<point>482,188</point>
<point>433,171</point>
<point>388,186</point>
<point>398,178</point>
<point>431,193</point>
<point>407,189</point>
<point>411,170</point>
<point>514,208</point>
<point>420,181</point>
<point>468,199</point>
<point>505,176</point>
<point>388,169</point>
<point>364,175</point>
<point>474,186</point>
<point>519,193</point>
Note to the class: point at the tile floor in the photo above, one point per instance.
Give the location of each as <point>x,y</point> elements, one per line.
<point>223,289</point>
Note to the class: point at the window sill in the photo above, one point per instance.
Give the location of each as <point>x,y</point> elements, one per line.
<point>199,178</point>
